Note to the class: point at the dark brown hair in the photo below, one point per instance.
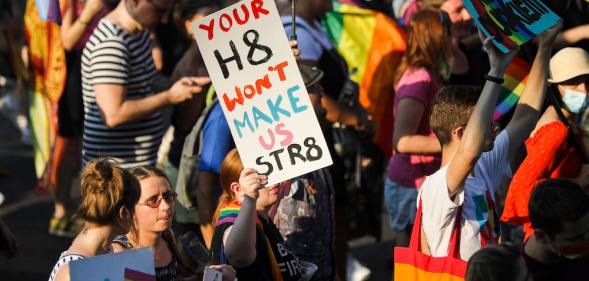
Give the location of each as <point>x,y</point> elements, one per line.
<point>428,43</point>
<point>105,189</point>
<point>451,109</point>
<point>230,171</point>
<point>146,171</point>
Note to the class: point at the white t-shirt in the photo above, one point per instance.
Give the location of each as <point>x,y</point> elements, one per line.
<point>479,216</point>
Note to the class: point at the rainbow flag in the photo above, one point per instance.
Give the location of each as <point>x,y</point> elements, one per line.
<point>48,74</point>
<point>373,44</point>
<point>516,77</point>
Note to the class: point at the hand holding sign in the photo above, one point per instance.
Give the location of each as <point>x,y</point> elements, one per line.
<point>497,60</point>
<point>261,91</point>
<point>547,38</point>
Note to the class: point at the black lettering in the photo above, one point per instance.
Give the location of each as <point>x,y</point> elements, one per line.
<point>523,13</point>
<point>267,164</point>
<point>539,6</point>
<point>294,151</point>
<point>277,157</point>
<point>310,143</point>
<point>253,44</point>
<point>223,62</point>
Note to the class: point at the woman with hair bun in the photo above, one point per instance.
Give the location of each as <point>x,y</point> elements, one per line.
<point>109,195</point>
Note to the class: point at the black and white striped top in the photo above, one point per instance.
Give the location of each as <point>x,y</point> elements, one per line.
<point>63,260</point>
<point>114,56</point>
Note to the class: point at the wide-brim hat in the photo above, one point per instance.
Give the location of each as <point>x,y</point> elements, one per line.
<point>568,63</point>
<point>310,74</point>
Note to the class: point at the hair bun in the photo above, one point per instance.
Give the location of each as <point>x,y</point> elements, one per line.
<point>104,168</point>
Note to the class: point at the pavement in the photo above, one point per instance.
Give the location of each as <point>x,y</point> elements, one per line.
<point>28,214</point>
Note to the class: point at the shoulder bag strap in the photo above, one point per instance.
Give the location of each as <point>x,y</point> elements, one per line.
<point>571,136</point>
<point>454,248</point>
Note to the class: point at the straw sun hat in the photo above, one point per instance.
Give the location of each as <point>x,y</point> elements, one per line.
<point>568,63</point>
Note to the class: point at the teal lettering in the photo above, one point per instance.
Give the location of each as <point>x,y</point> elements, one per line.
<point>241,124</point>
<point>275,109</point>
<point>260,115</point>
<point>294,100</point>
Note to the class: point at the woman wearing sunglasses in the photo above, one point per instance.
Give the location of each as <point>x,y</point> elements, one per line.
<point>152,226</point>
<point>152,222</point>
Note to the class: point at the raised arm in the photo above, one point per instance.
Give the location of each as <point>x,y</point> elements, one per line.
<point>240,239</point>
<point>72,29</point>
<point>117,110</point>
<point>479,124</point>
<point>527,110</point>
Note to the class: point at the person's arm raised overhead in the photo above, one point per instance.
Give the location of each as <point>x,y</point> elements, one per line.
<point>240,239</point>
<point>116,110</point>
<point>527,110</point>
<point>479,124</point>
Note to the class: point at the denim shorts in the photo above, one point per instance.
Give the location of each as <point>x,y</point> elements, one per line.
<point>400,204</point>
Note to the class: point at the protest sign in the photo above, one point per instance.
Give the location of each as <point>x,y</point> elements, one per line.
<point>136,265</point>
<point>261,91</point>
<point>514,22</point>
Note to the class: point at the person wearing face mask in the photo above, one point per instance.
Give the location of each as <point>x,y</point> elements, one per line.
<point>557,250</point>
<point>551,151</point>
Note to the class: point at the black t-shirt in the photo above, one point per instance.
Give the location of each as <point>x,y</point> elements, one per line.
<point>564,270</point>
<point>261,268</point>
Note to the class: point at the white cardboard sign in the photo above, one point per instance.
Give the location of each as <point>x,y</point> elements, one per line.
<point>261,91</point>
<point>135,265</point>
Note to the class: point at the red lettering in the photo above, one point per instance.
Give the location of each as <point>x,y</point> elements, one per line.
<point>208,28</point>
<point>230,104</point>
<point>246,15</point>
<point>228,20</point>
<point>264,82</point>
<point>257,8</point>
<point>249,91</point>
<point>279,67</point>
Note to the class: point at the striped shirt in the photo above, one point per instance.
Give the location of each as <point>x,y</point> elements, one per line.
<point>63,260</point>
<point>114,56</point>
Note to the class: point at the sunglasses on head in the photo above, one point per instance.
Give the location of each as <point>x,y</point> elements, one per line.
<point>154,201</point>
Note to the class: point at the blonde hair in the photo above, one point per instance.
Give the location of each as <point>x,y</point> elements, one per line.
<point>230,171</point>
<point>105,189</point>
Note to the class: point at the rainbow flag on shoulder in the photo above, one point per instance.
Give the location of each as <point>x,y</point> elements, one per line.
<point>372,44</point>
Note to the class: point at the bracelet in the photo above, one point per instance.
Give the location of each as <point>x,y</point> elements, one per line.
<point>494,79</point>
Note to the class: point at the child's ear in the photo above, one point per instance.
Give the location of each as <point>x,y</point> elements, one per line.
<point>235,187</point>
<point>457,133</point>
<point>188,27</point>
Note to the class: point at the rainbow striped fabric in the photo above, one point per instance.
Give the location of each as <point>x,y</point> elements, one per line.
<point>228,214</point>
<point>516,77</point>
<point>373,45</point>
<point>49,10</point>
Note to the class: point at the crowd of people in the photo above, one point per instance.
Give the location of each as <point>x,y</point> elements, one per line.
<point>137,90</point>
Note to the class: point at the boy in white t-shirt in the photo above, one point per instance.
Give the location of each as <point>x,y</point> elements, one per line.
<point>474,161</point>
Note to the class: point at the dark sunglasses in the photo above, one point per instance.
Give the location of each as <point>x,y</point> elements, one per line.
<point>154,201</point>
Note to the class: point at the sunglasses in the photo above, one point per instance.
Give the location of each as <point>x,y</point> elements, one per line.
<point>154,201</point>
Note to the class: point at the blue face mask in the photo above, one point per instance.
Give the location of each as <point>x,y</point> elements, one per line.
<point>575,101</point>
